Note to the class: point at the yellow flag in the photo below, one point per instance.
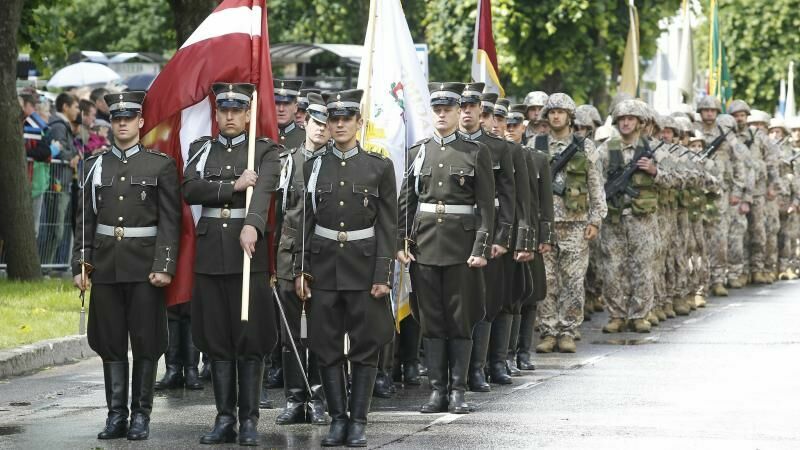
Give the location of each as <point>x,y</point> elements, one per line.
<point>630,62</point>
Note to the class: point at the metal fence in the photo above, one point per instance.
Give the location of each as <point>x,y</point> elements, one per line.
<point>53,212</point>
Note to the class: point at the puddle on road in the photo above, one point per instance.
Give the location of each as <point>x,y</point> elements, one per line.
<point>6,430</point>
<point>637,341</point>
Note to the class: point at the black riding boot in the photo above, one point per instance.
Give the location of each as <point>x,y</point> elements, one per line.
<point>315,412</point>
<point>264,401</point>
<point>511,358</point>
<point>384,386</point>
<point>173,377</point>
<point>477,361</point>
<point>223,377</point>
<point>333,382</point>
<point>191,356</point>
<point>498,349</point>
<point>363,379</point>
<point>205,371</point>
<point>436,360</point>
<point>526,339</point>
<point>142,381</point>
<point>115,375</point>
<point>410,335</point>
<point>250,372</point>
<point>458,351</point>
<point>294,388</point>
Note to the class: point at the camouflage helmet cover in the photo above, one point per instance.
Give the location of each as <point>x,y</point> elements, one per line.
<point>670,122</point>
<point>594,114</point>
<point>738,106</point>
<point>536,98</point>
<point>558,101</point>
<point>684,123</point>
<point>726,121</point>
<point>709,102</point>
<point>583,118</point>
<point>758,116</point>
<point>633,108</point>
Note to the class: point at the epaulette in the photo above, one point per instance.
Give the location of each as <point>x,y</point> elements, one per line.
<point>97,154</point>
<point>201,138</point>
<point>266,139</point>
<point>287,152</point>
<point>156,152</point>
<point>422,141</point>
<point>375,155</point>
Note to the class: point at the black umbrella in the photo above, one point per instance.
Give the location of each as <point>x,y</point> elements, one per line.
<point>140,82</point>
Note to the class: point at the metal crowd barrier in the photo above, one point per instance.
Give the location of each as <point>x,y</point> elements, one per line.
<point>55,212</point>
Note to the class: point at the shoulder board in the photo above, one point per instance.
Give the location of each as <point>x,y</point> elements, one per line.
<point>97,154</point>
<point>156,152</point>
<point>493,136</point>
<point>375,155</point>
<point>265,139</point>
<point>420,142</point>
<point>201,139</point>
<point>287,152</point>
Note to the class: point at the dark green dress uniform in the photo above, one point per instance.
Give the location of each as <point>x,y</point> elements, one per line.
<point>233,346</point>
<point>303,102</point>
<point>349,234</point>
<point>447,179</point>
<point>128,226</point>
<point>493,273</point>
<point>299,407</point>
<point>289,134</point>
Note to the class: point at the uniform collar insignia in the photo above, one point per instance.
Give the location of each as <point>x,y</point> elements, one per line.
<point>445,140</point>
<point>474,135</point>
<point>308,154</point>
<point>288,128</point>
<point>125,154</point>
<point>345,155</point>
<point>233,142</point>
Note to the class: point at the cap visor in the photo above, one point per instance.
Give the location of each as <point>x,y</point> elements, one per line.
<point>125,113</point>
<point>319,117</point>
<point>284,99</point>
<point>446,101</point>
<point>342,112</point>
<point>225,103</point>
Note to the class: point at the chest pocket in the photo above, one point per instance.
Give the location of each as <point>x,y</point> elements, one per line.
<point>144,188</point>
<point>212,172</point>
<point>103,190</point>
<point>463,176</point>
<point>367,196</point>
<point>575,182</point>
<point>323,193</point>
<point>425,179</point>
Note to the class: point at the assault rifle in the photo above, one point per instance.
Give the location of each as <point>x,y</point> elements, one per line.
<point>619,182</point>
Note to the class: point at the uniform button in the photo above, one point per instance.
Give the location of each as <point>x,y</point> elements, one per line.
<point>228,167</point>
<point>121,178</point>
<point>441,165</point>
<point>341,245</point>
<point>439,220</point>
<point>283,138</point>
<point>341,224</point>
<point>442,148</point>
<point>119,218</point>
<point>440,202</point>
<point>167,248</point>
<point>121,197</point>
<point>229,150</point>
<point>143,183</point>
<point>226,205</point>
<point>341,183</point>
<point>344,163</point>
<point>224,225</point>
<point>233,182</point>
<point>125,161</point>
<point>440,183</point>
<point>341,203</point>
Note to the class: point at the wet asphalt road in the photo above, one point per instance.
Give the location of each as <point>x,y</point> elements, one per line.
<point>725,377</point>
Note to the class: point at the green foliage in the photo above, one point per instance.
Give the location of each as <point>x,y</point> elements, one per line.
<point>52,29</point>
<point>761,39</point>
<point>33,311</point>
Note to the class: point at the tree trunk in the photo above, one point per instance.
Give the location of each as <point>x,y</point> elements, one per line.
<point>188,15</point>
<point>16,219</point>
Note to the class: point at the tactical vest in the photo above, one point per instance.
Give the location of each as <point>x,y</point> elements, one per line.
<point>697,204</point>
<point>576,176</point>
<point>711,210</point>
<point>646,202</point>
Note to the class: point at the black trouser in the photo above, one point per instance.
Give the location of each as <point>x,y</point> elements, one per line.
<point>367,321</point>
<point>217,326</point>
<point>293,307</point>
<point>121,311</point>
<point>449,299</point>
<point>496,284</point>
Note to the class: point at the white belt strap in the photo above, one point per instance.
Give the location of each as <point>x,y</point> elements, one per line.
<point>312,183</point>
<point>286,177</point>
<point>95,173</point>
<point>344,236</point>
<point>203,155</point>
<point>446,209</point>
<point>418,161</point>
<point>225,213</point>
<point>127,232</point>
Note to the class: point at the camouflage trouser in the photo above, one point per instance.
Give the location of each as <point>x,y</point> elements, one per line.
<point>787,239</point>
<point>772,226</point>
<point>717,241</point>
<point>561,311</point>
<point>593,284</point>
<point>681,245</point>
<point>737,228</point>
<point>662,271</point>
<point>629,248</point>
<point>701,275</point>
<point>756,233</point>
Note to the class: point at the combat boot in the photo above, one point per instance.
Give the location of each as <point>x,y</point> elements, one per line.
<point>598,304</point>
<point>587,310</point>
<point>718,290</point>
<point>143,378</point>
<point>680,306</point>
<point>477,362</point>
<point>700,301</point>
<point>436,361</point>
<point>759,278</point>
<point>173,377</point>
<point>566,344</point>
<point>771,277</point>
<point>659,312</point>
<point>690,302</point>
<point>736,283</point>
<point>577,337</point>
<point>641,326</point>
<point>511,355</point>
<point>614,326</point>
<point>669,311</point>
<point>547,345</point>
<point>498,349</point>
<point>652,319</point>
<point>116,384</point>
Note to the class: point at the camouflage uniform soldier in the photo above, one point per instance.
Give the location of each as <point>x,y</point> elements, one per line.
<point>786,203</point>
<point>733,179</point>
<point>536,124</point>
<point>580,206</point>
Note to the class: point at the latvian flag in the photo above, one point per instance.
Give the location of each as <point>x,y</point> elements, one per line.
<point>231,45</point>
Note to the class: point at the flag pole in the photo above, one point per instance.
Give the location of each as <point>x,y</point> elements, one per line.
<point>366,101</point>
<point>251,162</point>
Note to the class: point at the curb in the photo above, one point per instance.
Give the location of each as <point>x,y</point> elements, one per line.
<point>52,352</point>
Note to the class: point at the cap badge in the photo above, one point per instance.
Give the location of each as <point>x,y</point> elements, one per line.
<point>230,87</point>
<point>121,96</point>
<point>282,91</point>
<point>338,96</point>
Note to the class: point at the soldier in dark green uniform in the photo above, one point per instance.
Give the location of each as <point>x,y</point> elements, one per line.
<point>450,241</point>
<point>302,106</point>
<point>541,221</point>
<point>127,228</point>
<point>347,257</point>
<point>286,94</point>
<point>217,177</point>
<point>299,407</point>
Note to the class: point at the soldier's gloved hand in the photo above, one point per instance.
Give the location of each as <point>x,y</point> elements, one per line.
<point>404,257</point>
<point>80,283</point>
<point>301,288</point>
<point>247,179</point>
<point>379,290</point>
<point>591,232</point>
<point>498,251</point>
<point>160,279</point>
<point>545,248</point>
<point>477,261</point>
<point>247,239</point>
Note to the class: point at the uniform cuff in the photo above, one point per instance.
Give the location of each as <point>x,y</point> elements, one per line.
<point>481,246</point>
<point>383,271</point>
<point>503,235</point>
<point>165,259</point>
<point>546,234</point>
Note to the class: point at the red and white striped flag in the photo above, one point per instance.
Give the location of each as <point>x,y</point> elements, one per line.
<point>484,55</point>
<point>231,45</point>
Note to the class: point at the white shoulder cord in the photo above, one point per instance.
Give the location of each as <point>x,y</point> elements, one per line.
<point>418,162</point>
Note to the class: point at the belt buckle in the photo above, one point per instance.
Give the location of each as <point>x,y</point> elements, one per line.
<point>440,209</point>
<point>119,233</point>
<point>341,236</point>
<point>225,213</point>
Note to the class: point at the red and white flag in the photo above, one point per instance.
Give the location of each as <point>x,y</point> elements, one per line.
<point>484,55</point>
<point>231,45</point>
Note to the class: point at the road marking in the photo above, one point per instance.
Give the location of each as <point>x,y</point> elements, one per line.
<point>447,418</point>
